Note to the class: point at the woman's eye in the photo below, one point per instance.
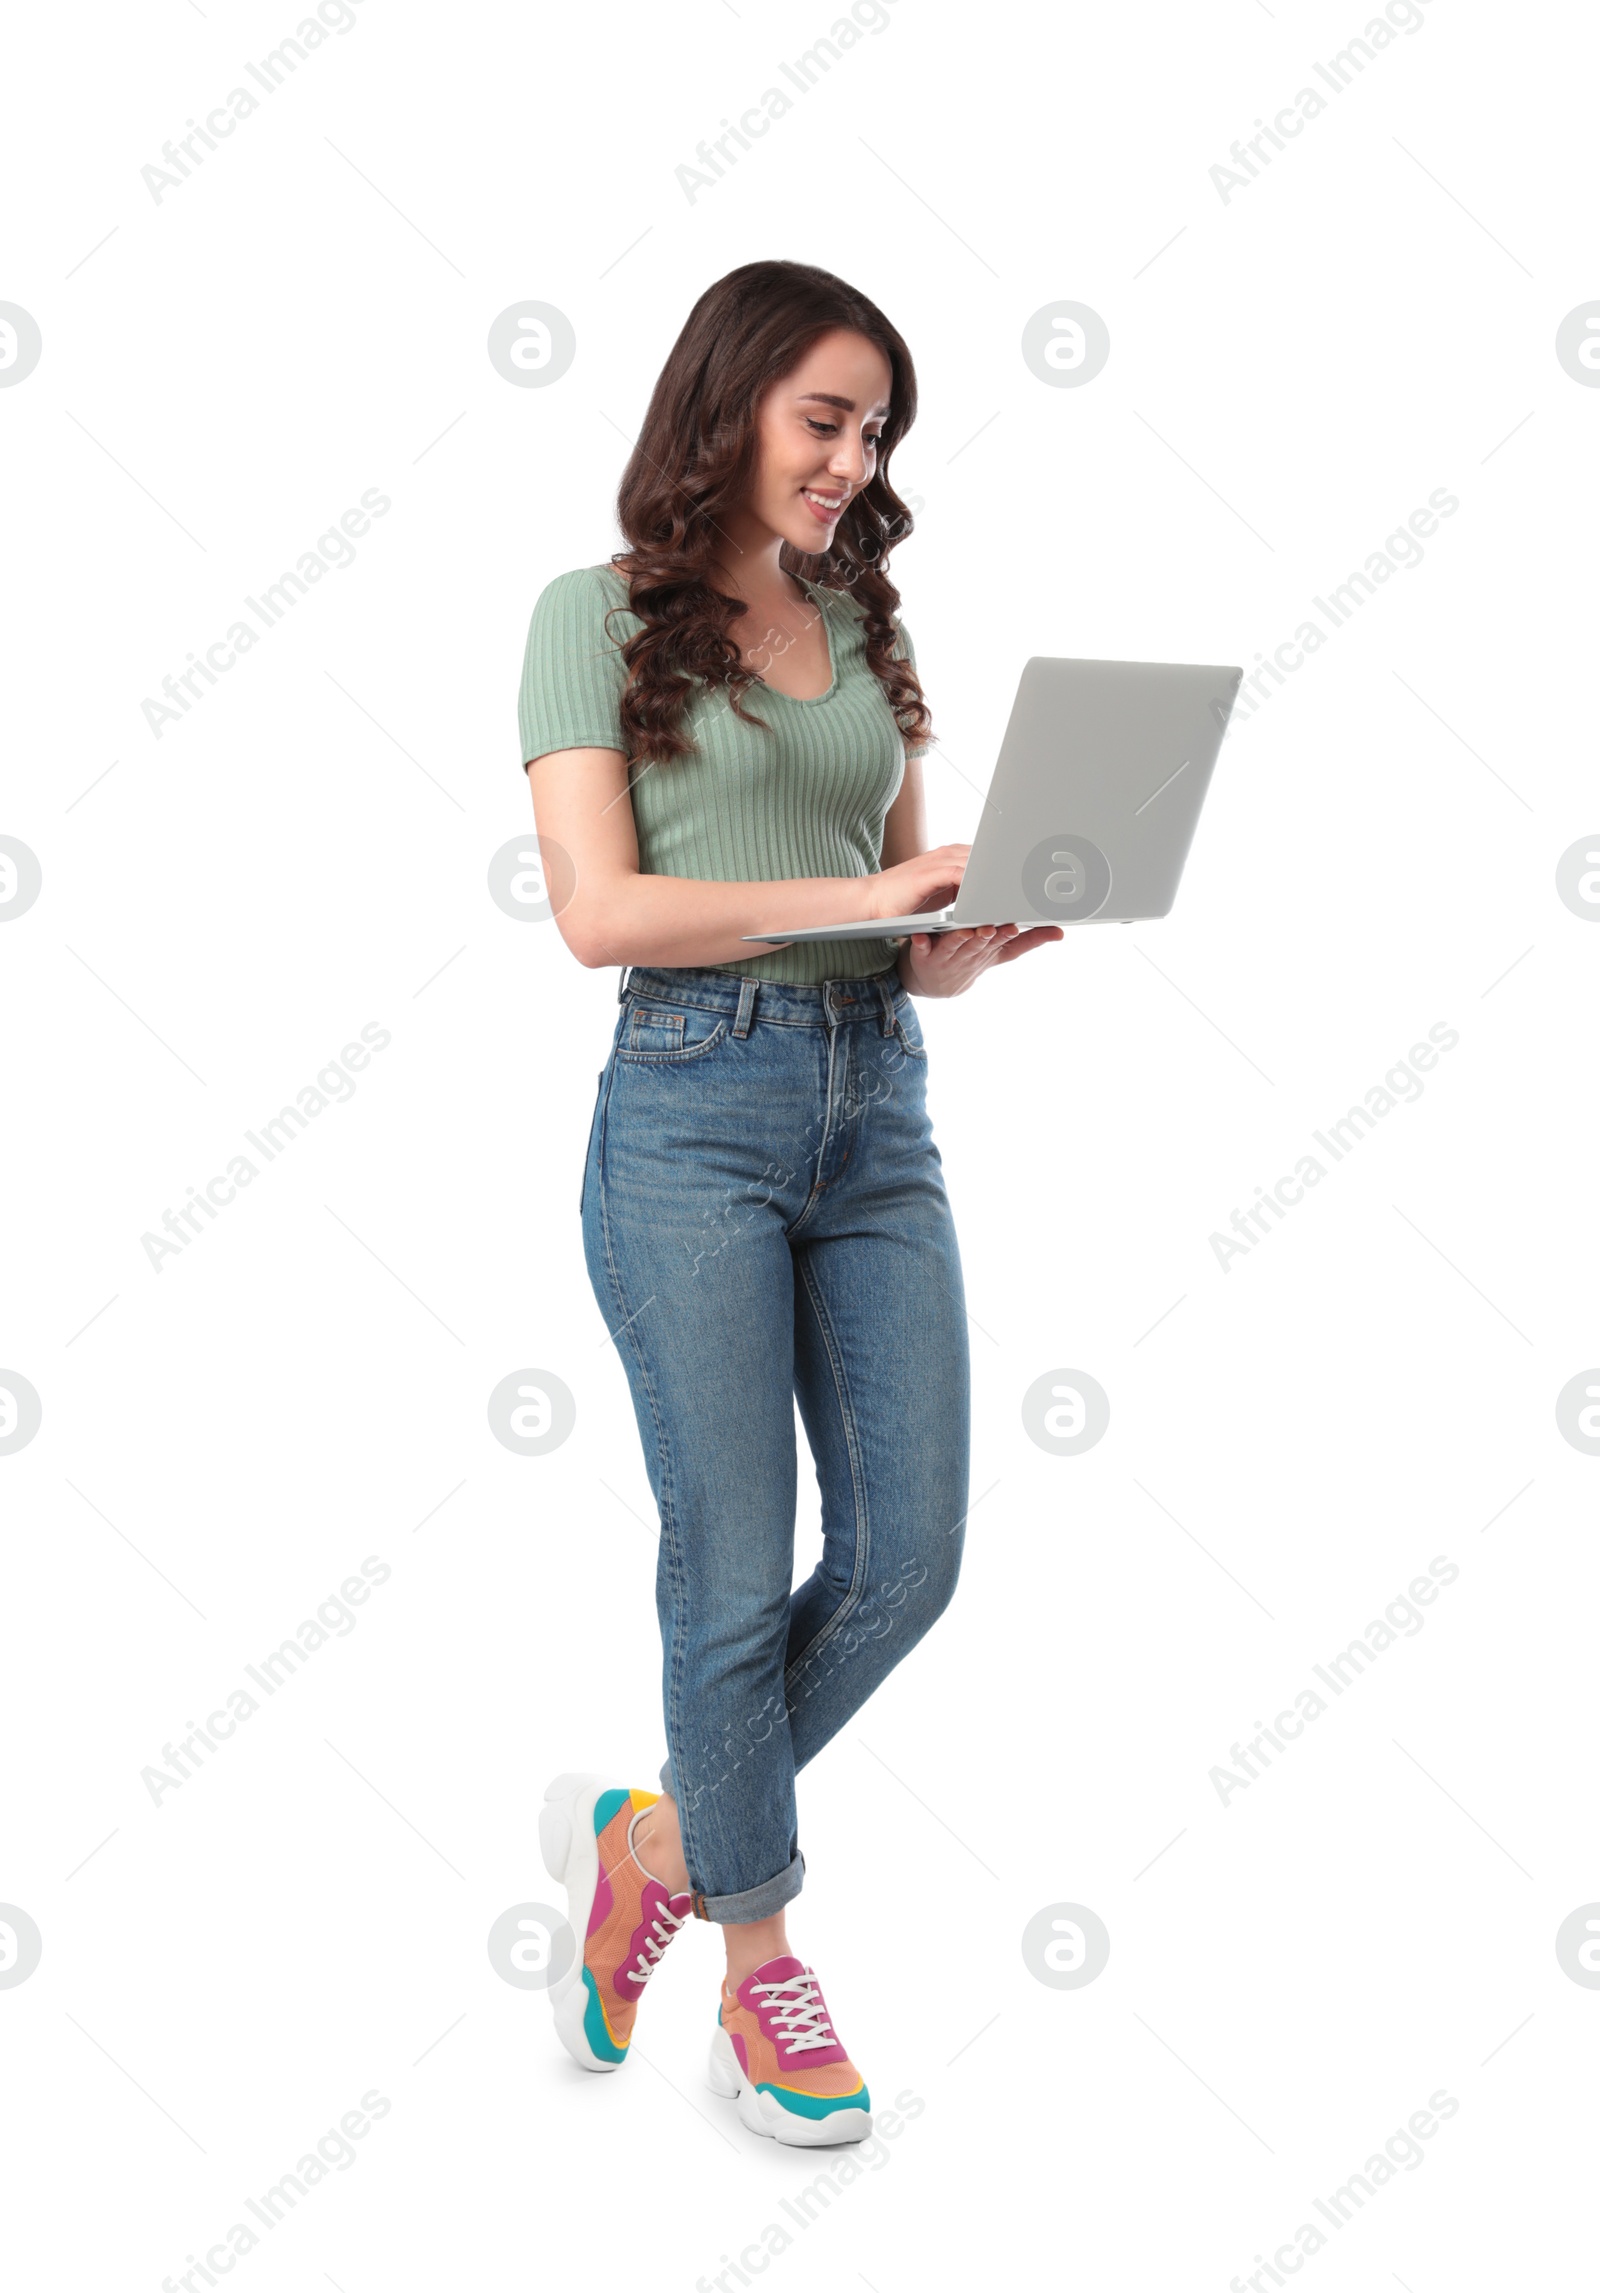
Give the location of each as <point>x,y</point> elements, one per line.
<point>831,430</point>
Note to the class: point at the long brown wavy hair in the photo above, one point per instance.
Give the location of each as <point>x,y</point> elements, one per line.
<point>694,462</point>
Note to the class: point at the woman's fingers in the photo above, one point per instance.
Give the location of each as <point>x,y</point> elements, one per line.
<point>949,962</point>
<point>1026,942</point>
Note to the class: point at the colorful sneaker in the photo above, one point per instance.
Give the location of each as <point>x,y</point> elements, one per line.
<point>624,1914</point>
<point>775,2051</point>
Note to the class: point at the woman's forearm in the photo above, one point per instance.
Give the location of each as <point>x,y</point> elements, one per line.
<point>672,920</point>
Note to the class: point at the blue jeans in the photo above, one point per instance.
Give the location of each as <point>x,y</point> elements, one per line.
<point>765,1222</point>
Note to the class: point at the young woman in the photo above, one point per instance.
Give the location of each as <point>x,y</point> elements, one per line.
<point>722,729</point>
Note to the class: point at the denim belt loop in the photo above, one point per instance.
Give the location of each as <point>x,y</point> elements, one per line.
<point>747,1005</point>
<point>887,1000</point>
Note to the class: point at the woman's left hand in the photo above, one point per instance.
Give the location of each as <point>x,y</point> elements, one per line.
<point>947,963</point>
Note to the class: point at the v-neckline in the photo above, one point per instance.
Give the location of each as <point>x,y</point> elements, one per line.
<point>810,700</point>
<point>795,700</point>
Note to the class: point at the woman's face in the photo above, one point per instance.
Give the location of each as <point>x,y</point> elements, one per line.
<point>817,430</point>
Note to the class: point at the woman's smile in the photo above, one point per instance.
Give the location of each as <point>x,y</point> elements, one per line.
<point>825,506</point>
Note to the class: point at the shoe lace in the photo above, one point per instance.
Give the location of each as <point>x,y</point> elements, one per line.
<point>796,2008</point>
<point>663,1927</point>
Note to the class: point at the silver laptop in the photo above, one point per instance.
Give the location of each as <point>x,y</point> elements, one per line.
<point>1093,804</point>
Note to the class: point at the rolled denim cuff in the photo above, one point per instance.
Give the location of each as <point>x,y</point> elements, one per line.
<point>756,1902</point>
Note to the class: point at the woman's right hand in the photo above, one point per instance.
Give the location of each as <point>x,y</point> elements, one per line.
<point>918,886</point>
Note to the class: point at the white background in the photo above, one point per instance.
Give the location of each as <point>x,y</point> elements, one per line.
<point>1292,372</point>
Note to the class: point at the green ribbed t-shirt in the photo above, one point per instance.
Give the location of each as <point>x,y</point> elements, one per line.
<point>806,798</point>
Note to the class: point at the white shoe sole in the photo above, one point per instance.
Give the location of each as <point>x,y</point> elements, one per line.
<point>763,2114</point>
<point>572,1855</point>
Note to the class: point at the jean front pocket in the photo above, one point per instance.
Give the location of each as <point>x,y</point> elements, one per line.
<point>659,1034</point>
<point>909,1028</point>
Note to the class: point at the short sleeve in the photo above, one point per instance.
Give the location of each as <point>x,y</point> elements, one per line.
<point>910,652</point>
<point>573,673</point>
